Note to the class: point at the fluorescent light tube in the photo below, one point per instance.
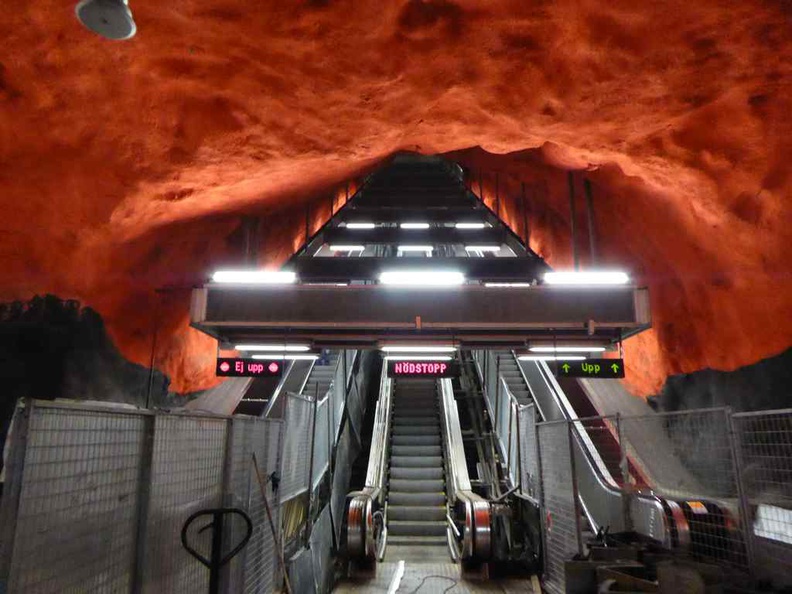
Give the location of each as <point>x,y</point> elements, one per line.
<point>279,356</point>
<point>360,225</point>
<point>418,358</point>
<point>551,358</point>
<point>347,248</point>
<point>421,278</point>
<point>470,225</point>
<point>417,349</point>
<point>414,225</point>
<point>567,349</point>
<point>507,284</point>
<point>482,248</point>
<point>259,277</point>
<point>602,277</point>
<point>277,348</point>
<point>416,248</point>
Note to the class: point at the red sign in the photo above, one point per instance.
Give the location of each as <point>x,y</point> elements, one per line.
<point>229,367</point>
<point>422,369</point>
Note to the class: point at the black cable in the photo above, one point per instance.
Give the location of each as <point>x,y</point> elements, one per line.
<point>440,577</point>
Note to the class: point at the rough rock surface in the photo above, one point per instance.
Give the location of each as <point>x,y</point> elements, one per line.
<point>126,167</point>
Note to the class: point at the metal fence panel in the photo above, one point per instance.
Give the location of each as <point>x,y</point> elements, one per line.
<point>765,460</point>
<point>296,447</point>
<point>321,441</point>
<point>562,534</point>
<point>529,454</point>
<point>77,509</point>
<point>259,554</point>
<point>186,476</point>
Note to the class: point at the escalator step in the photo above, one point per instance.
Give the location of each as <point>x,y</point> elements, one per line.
<point>416,430</point>
<point>416,450</point>
<point>415,421</point>
<point>416,473</point>
<point>413,462</point>
<point>418,499</point>
<point>402,439</point>
<point>416,528</point>
<point>417,541</point>
<point>425,513</point>
<point>419,486</point>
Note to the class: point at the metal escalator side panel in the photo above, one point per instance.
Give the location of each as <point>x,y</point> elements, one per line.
<point>364,541</point>
<point>292,381</point>
<point>476,537</point>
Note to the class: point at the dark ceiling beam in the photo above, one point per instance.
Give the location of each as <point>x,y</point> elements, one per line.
<point>432,236</point>
<point>311,269</point>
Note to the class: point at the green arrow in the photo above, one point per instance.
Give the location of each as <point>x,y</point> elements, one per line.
<point>565,367</point>
<point>615,368</point>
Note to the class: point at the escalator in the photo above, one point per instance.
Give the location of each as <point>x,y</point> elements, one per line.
<point>416,498</point>
<point>417,503</point>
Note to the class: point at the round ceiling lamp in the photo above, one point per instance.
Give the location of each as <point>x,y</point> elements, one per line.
<point>111,19</point>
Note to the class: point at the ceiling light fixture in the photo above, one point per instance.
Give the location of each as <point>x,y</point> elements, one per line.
<point>422,278</point>
<point>347,248</point>
<point>278,356</point>
<point>482,248</point>
<point>471,225</point>
<point>551,358</point>
<point>278,348</point>
<point>418,358</point>
<point>567,349</point>
<point>111,19</point>
<point>360,225</point>
<point>417,349</point>
<point>600,277</point>
<point>257,277</point>
<point>414,225</point>
<point>416,248</point>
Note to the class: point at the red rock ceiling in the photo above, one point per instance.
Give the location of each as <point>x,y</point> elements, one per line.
<point>125,166</point>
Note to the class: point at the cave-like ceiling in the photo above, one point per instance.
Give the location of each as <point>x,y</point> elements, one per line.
<point>126,166</point>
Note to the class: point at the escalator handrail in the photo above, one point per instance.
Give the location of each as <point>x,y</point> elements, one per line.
<point>476,540</point>
<point>378,456</point>
<point>554,391</point>
<point>280,388</point>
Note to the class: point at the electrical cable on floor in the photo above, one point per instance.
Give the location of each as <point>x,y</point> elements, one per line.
<point>440,577</point>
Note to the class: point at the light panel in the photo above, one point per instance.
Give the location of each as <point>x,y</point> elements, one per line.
<point>417,348</point>
<point>277,348</point>
<point>471,225</point>
<point>551,358</point>
<point>422,278</point>
<point>567,349</point>
<point>416,248</point>
<point>360,225</point>
<point>591,277</point>
<point>414,225</point>
<point>347,248</point>
<point>258,277</point>
<point>494,285</point>
<point>288,357</point>
<point>482,248</point>
<point>418,358</point>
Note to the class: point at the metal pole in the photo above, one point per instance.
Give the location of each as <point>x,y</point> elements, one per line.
<point>153,351</point>
<point>144,493</point>
<point>575,491</point>
<point>311,461</point>
<point>307,224</point>
<point>526,230</point>
<point>497,394</point>
<point>481,187</point>
<point>591,231</point>
<point>497,194</point>
<point>624,467</point>
<point>571,182</point>
<point>735,441</point>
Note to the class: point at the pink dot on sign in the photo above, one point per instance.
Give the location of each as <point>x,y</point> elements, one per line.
<point>273,367</point>
<point>224,366</point>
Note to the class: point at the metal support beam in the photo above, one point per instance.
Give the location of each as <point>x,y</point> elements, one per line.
<point>591,229</point>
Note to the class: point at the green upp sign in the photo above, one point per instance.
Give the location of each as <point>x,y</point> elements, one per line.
<point>601,368</point>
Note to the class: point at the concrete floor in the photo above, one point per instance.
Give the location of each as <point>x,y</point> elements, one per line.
<point>430,578</point>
